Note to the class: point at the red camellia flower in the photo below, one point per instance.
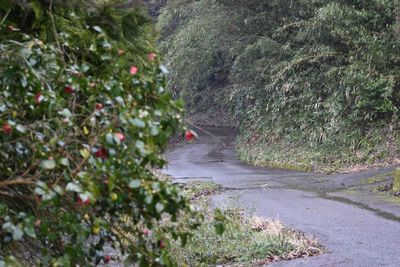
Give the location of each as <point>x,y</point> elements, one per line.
<point>190,135</point>
<point>151,56</point>
<point>99,106</point>
<point>83,203</point>
<point>107,259</point>
<point>68,90</point>
<point>7,128</point>
<point>102,153</point>
<point>146,232</point>
<point>133,70</point>
<point>38,98</point>
<point>120,136</point>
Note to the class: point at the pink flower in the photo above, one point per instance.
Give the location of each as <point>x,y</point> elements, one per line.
<point>120,136</point>
<point>83,203</point>
<point>38,98</point>
<point>133,70</point>
<point>99,106</point>
<point>146,232</point>
<point>151,56</point>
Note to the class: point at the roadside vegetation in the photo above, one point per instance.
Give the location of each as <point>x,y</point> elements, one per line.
<point>84,117</point>
<point>313,85</point>
<point>245,240</point>
<point>388,186</point>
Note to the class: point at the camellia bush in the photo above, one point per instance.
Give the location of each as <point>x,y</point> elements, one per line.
<point>84,116</point>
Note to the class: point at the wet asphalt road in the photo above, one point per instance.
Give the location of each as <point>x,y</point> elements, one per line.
<point>357,227</point>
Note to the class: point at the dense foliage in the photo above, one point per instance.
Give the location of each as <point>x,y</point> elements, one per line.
<point>84,116</point>
<point>310,75</point>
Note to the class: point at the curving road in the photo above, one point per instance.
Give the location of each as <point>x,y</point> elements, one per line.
<point>357,227</point>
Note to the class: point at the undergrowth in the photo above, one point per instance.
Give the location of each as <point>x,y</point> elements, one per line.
<point>379,149</point>
<point>246,240</point>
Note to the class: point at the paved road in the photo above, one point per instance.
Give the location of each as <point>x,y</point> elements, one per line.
<point>357,227</point>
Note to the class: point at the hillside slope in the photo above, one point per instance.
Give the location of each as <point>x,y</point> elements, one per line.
<point>312,85</point>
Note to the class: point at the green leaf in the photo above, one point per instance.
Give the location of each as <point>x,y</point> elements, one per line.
<point>154,130</point>
<point>17,233</point>
<point>84,153</point>
<point>219,228</point>
<point>30,231</point>
<point>110,138</point>
<point>39,191</point>
<point>74,187</point>
<point>135,183</point>
<point>184,238</point>
<point>164,69</point>
<point>24,82</point>
<point>139,144</point>
<point>64,162</point>
<point>48,164</point>
<point>138,123</point>
<point>20,128</point>
<point>58,189</point>
<point>159,207</point>
<point>42,184</point>
<point>66,113</point>
<point>97,29</point>
<point>219,216</point>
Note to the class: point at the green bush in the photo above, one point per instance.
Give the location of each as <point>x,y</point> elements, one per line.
<point>84,117</point>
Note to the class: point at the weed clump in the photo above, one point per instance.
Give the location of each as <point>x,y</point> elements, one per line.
<point>396,180</point>
<point>245,239</point>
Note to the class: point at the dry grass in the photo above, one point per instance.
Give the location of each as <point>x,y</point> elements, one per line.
<point>246,241</point>
<point>305,246</point>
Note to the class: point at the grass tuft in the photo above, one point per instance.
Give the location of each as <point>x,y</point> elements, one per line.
<point>247,240</point>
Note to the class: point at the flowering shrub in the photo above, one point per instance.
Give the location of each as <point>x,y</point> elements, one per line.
<point>82,123</point>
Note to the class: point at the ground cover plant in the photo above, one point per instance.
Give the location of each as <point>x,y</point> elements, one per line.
<point>390,183</point>
<point>245,240</point>
<point>320,77</point>
<point>84,115</point>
